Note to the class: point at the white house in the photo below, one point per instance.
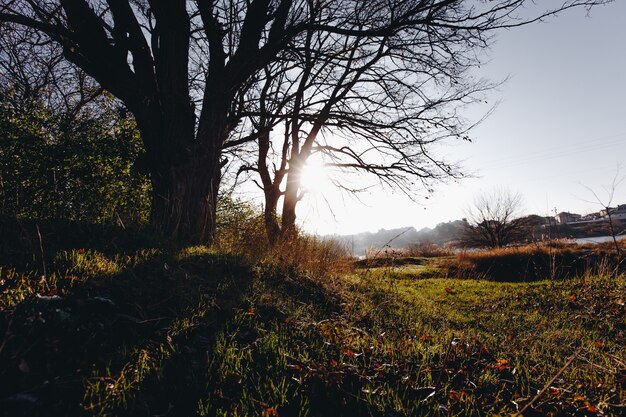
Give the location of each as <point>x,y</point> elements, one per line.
<point>565,217</point>
<point>617,213</point>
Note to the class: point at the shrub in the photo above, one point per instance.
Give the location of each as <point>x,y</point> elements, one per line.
<point>52,169</point>
<point>240,228</point>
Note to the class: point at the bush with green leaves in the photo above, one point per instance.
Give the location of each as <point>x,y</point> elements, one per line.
<point>77,167</point>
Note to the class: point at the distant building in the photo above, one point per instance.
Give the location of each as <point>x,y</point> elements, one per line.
<point>591,217</point>
<point>617,213</point>
<point>565,217</point>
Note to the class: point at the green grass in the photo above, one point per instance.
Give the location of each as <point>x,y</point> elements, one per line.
<point>166,331</point>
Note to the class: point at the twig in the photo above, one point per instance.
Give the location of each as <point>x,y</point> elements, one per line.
<point>445,359</point>
<point>43,260</point>
<point>540,393</point>
<point>616,359</point>
<point>7,333</point>
<point>595,365</point>
<point>119,220</point>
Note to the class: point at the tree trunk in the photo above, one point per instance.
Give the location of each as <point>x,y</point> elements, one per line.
<point>185,175</point>
<point>272,228</point>
<point>291,199</point>
<point>271,189</point>
<point>183,203</point>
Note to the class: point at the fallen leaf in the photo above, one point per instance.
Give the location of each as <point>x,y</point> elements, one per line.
<point>270,412</point>
<point>348,352</point>
<point>502,364</point>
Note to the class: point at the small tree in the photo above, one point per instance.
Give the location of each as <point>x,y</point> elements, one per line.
<point>606,203</point>
<point>494,220</point>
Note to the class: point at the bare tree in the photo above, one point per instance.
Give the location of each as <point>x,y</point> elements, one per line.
<point>32,69</point>
<point>183,68</point>
<point>608,211</point>
<point>368,103</point>
<point>494,219</point>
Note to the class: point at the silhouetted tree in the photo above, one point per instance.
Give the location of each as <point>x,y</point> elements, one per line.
<point>494,221</point>
<point>368,102</point>
<point>183,68</point>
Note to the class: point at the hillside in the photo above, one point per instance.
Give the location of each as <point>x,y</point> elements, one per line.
<point>452,233</point>
<point>402,237</point>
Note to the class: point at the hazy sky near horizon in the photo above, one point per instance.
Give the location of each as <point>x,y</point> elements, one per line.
<point>559,127</point>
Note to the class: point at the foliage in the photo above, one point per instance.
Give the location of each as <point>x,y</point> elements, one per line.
<point>77,170</point>
<point>391,77</point>
<point>240,227</point>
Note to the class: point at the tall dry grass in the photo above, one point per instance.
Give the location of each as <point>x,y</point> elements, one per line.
<point>537,261</point>
<point>311,255</point>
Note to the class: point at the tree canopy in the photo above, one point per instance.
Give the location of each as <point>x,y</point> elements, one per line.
<point>388,75</point>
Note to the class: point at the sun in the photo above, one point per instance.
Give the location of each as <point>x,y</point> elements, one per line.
<point>314,177</point>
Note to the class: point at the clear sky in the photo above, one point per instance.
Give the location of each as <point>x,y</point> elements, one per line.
<point>560,126</point>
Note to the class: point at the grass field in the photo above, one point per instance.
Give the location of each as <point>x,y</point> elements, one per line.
<point>160,331</point>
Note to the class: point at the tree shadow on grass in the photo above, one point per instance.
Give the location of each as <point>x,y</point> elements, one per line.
<point>90,347</point>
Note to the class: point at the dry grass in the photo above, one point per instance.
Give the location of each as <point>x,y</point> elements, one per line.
<point>421,250</point>
<point>556,260</point>
<point>310,255</point>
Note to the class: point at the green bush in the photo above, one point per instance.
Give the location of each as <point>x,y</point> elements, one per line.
<point>79,168</point>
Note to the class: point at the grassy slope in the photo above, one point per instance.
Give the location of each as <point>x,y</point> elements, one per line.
<point>183,332</point>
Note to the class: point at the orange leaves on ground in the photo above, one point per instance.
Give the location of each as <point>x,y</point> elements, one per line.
<point>426,338</point>
<point>458,395</point>
<point>348,352</point>
<point>502,364</point>
<point>270,412</point>
<point>590,409</point>
<point>449,290</point>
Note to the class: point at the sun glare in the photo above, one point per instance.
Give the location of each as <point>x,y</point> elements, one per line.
<point>314,177</point>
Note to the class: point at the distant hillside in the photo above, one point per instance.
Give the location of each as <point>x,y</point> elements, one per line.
<point>452,233</point>
<point>402,237</point>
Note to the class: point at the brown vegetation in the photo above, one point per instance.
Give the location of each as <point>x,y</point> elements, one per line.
<point>556,260</point>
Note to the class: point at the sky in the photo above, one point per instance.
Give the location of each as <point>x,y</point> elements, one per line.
<point>557,132</point>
